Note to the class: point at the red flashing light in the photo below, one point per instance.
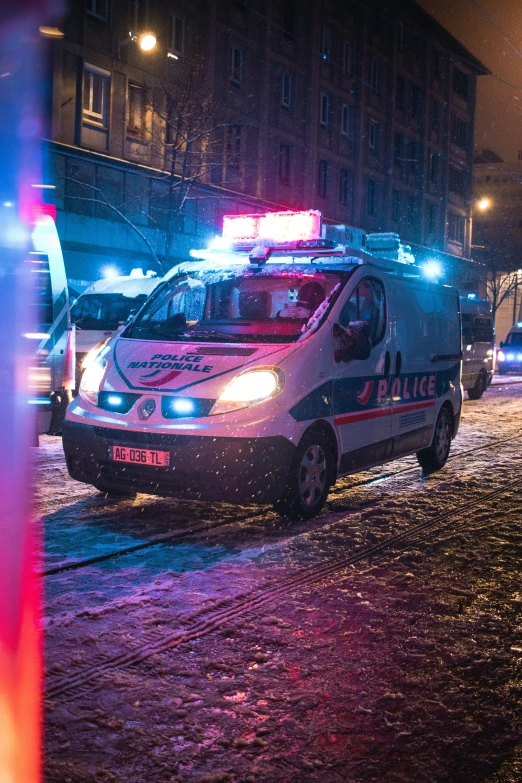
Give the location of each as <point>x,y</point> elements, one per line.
<point>273,226</point>
<point>40,210</point>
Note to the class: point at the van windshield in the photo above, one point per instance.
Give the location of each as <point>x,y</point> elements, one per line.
<point>514,339</point>
<point>104,311</point>
<point>274,304</point>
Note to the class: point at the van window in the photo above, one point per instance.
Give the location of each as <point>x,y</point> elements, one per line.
<point>367,303</point>
<point>514,339</point>
<point>104,311</point>
<point>272,305</point>
<point>42,290</point>
<point>483,330</point>
<point>467,329</point>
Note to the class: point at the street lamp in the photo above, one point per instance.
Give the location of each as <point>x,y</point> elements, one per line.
<point>483,204</point>
<point>146,41</point>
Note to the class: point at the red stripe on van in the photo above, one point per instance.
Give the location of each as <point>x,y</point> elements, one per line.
<point>378,413</point>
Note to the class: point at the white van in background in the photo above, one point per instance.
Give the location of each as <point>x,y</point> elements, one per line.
<point>104,307</point>
<point>477,345</point>
<point>268,370</point>
<point>51,373</point>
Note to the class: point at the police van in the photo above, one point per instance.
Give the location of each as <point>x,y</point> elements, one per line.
<point>104,307</point>
<point>509,358</point>
<point>268,369</point>
<point>477,345</point>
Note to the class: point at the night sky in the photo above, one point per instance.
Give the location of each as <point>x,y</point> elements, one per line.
<point>499,106</point>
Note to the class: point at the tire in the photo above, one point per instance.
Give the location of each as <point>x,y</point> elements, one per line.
<point>309,480</point>
<point>435,456</point>
<point>481,384</point>
<point>113,492</point>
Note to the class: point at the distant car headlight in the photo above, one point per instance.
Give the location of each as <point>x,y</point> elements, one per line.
<point>250,388</point>
<point>91,380</point>
<point>501,356</point>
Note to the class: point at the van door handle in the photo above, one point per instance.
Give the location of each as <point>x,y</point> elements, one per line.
<point>398,363</point>
<point>387,363</point>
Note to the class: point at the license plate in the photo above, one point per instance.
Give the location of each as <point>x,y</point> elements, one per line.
<point>140,456</point>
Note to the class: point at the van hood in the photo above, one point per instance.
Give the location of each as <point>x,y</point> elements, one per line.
<point>175,367</point>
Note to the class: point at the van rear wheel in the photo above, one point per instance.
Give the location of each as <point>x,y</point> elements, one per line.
<point>309,479</point>
<point>476,392</point>
<point>435,456</point>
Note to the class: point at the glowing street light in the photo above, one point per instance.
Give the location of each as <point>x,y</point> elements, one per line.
<point>147,41</point>
<point>483,204</point>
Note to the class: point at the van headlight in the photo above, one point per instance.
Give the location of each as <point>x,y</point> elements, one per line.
<point>91,380</point>
<point>501,356</point>
<point>91,355</point>
<point>250,388</point>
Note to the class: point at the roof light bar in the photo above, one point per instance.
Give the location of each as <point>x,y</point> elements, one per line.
<point>274,226</point>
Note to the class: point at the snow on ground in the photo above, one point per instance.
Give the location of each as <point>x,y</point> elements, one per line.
<point>399,669</point>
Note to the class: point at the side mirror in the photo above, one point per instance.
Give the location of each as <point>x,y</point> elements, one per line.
<point>129,317</point>
<point>177,321</point>
<point>502,343</point>
<point>355,341</point>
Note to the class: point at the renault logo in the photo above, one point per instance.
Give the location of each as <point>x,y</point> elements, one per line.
<point>146,409</point>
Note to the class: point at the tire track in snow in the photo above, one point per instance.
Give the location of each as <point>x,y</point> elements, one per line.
<point>212,618</point>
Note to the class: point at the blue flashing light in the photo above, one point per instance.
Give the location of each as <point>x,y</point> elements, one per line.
<point>114,400</point>
<point>519,324</point>
<point>432,270</point>
<point>183,406</point>
<point>472,296</point>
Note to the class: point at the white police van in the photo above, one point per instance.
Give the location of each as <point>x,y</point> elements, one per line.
<point>269,369</point>
<point>478,345</point>
<point>104,307</point>
<point>509,358</point>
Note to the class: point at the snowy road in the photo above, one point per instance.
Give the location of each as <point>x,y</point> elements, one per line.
<point>382,641</point>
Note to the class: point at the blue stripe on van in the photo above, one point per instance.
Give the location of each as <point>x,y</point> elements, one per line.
<point>353,395</point>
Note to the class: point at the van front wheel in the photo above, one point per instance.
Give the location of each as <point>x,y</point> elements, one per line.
<point>435,456</point>
<point>476,392</point>
<point>309,479</point>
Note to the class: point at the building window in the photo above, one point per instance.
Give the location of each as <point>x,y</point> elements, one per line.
<point>396,205</point>
<point>412,156</point>
<point>96,83</point>
<point>287,91</point>
<point>460,84</point>
<point>401,37</point>
<point>236,66</point>
<point>326,45</point>
<point>398,146</point>
<point>431,218</point>
<point>289,19</point>
<point>399,92</point>
<point>435,115</point>
<point>233,146</point>
<point>345,186</point>
<point>97,8</point>
<point>410,210</point>
<point>375,77</point>
<point>136,116</point>
<point>177,35</point>
<point>284,164</point>
<point>457,181</point>
<point>372,197</point>
<point>324,109</point>
<point>322,179</point>
<point>348,58</point>
<point>373,137</point>
<point>415,101</point>
<point>456,227</point>
<point>436,62</point>
<point>434,168</point>
<point>459,132</point>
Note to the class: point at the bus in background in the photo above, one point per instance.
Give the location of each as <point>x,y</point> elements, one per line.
<point>51,374</point>
<point>104,307</point>
<point>477,345</point>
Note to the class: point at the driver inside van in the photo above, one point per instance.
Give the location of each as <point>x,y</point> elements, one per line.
<point>310,296</point>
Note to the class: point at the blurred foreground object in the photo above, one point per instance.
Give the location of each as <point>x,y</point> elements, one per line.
<point>20,130</point>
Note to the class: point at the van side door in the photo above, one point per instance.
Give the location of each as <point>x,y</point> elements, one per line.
<point>362,405</point>
<point>426,364</point>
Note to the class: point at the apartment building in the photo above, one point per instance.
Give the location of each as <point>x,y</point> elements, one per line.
<point>363,110</point>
